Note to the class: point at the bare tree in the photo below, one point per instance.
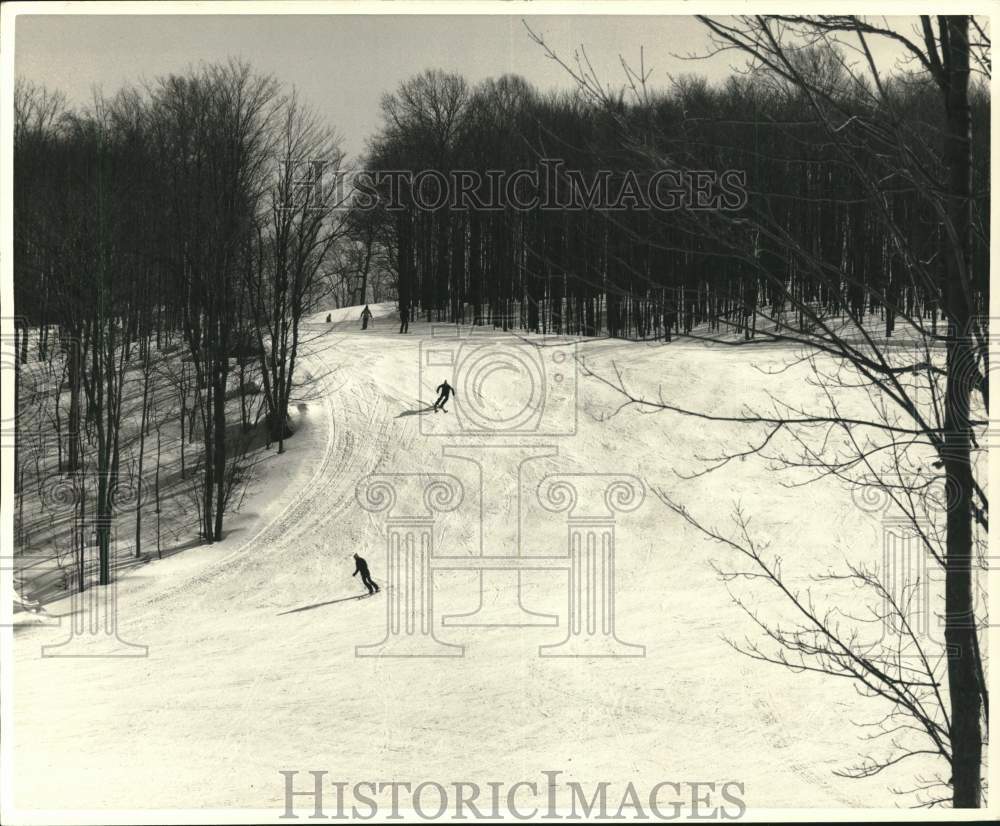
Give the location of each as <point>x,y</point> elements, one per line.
<point>293,240</point>
<point>884,151</point>
<point>214,133</point>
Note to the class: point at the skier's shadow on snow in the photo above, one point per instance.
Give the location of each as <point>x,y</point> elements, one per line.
<point>321,604</point>
<point>417,412</point>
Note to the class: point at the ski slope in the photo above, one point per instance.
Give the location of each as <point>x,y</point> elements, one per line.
<point>251,665</point>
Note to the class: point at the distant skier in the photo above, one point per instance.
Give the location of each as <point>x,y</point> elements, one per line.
<point>404,318</point>
<point>366,316</point>
<point>361,567</point>
<point>444,390</point>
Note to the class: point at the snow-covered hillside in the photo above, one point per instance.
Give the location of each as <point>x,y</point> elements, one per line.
<point>252,666</point>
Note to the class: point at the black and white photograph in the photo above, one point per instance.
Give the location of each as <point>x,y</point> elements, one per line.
<point>495,411</point>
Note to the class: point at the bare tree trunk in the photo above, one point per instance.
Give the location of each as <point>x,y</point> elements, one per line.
<point>142,451</point>
<point>82,536</point>
<point>182,392</point>
<point>57,423</point>
<point>207,528</point>
<point>960,626</point>
<point>159,551</point>
<point>73,425</point>
<point>219,454</point>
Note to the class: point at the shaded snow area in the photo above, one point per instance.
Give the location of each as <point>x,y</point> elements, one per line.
<point>252,644</point>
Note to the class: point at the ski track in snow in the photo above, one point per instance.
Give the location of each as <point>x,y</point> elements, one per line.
<point>545,707</point>
<point>328,491</point>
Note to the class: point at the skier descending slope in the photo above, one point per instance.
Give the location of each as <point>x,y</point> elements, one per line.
<point>361,567</point>
<point>444,390</point>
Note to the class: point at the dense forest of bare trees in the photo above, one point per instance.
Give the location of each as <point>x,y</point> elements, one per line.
<point>869,196</point>
<point>166,254</point>
<point>863,239</point>
<point>647,273</point>
<point>163,252</point>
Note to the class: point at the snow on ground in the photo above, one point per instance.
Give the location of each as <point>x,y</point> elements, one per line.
<point>238,685</point>
<point>387,310</point>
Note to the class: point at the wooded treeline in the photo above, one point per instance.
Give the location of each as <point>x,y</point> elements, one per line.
<point>648,273</point>
<point>161,235</point>
<point>174,216</point>
<point>165,246</point>
<point>877,200</point>
<point>866,223</point>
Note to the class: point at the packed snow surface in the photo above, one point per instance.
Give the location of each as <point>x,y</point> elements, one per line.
<point>251,663</point>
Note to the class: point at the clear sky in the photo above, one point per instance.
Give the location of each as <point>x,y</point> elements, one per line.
<point>342,64</point>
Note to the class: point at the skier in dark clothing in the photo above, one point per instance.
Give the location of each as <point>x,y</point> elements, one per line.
<point>444,390</point>
<point>361,567</point>
<point>366,316</point>
<point>404,319</point>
